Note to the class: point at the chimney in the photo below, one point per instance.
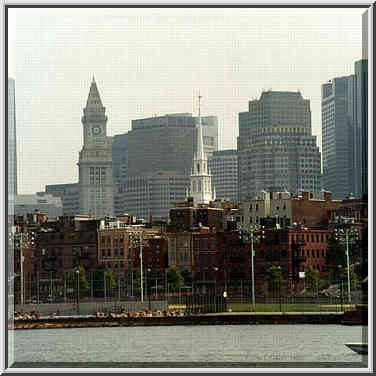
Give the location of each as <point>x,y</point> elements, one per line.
<point>328,196</point>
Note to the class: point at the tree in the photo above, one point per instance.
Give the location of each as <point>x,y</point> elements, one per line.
<point>72,280</point>
<point>174,278</point>
<point>336,253</point>
<point>110,282</point>
<point>100,274</point>
<point>187,277</point>
<point>354,279</point>
<point>274,277</point>
<point>312,280</point>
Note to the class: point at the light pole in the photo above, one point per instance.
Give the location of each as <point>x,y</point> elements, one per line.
<point>346,233</point>
<point>78,291</point>
<point>215,288</point>
<point>252,229</point>
<point>348,267</point>
<point>279,285</point>
<point>141,269</point>
<point>20,238</point>
<point>146,285</point>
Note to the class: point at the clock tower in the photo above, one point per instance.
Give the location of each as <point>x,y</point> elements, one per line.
<point>95,160</point>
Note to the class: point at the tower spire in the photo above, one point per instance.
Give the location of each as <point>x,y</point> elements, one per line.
<point>200,143</point>
<point>94,99</point>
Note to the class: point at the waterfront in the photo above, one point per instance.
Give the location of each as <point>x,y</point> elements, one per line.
<point>269,344</point>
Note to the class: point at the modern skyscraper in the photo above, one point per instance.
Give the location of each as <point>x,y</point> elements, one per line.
<point>12,145</point>
<point>276,148</point>
<point>361,132</point>
<point>167,143</point>
<point>200,189</point>
<point>151,194</point>
<point>120,158</point>
<point>152,162</point>
<point>223,166</point>
<point>95,160</point>
<point>338,134</point>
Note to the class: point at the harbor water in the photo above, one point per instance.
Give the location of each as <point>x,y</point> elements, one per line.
<point>189,346</point>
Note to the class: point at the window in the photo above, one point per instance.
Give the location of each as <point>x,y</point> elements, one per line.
<point>197,243</point>
<point>212,244</point>
<point>205,243</point>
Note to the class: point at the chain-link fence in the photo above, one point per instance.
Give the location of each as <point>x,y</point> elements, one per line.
<point>100,286</point>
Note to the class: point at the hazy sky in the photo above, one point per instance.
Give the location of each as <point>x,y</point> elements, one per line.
<point>155,61</point>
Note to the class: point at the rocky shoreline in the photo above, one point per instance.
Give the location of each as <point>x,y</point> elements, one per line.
<point>208,319</point>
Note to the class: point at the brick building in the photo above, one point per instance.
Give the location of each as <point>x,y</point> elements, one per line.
<point>294,250</point>
<point>185,218</point>
<point>310,209</point>
<point>62,250</point>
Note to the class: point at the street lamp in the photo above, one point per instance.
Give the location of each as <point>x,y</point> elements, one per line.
<point>215,288</point>
<point>22,240</point>
<point>78,290</point>
<point>146,286</point>
<point>279,285</point>
<point>252,229</point>
<point>346,233</point>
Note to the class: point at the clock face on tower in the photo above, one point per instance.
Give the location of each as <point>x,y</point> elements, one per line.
<point>97,130</point>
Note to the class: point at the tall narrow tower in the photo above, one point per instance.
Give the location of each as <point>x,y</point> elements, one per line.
<point>201,185</point>
<point>95,160</point>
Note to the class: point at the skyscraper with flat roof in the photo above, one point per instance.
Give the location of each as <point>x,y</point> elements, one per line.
<point>152,162</point>
<point>361,132</point>
<point>12,145</point>
<point>276,148</point>
<point>223,166</point>
<point>338,116</point>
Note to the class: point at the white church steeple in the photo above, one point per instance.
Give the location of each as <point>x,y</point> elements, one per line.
<point>201,189</point>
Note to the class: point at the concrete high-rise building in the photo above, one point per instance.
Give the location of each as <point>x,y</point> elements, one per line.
<point>150,195</point>
<point>200,188</point>
<point>338,109</point>
<point>45,203</point>
<point>70,197</point>
<point>158,151</point>
<point>120,158</point>
<point>223,166</point>
<point>276,148</point>
<point>95,160</point>
<point>12,146</point>
<point>167,143</point>
<point>361,132</point>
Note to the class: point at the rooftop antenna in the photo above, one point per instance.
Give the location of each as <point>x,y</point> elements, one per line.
<point>199,105</point>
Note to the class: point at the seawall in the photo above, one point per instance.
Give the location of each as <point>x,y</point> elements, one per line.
<point>208,319</point>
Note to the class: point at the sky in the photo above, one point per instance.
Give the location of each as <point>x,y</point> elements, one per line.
<point>151,61</point>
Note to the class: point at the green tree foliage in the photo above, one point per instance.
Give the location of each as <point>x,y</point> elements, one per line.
<point>98,282</point>
<point>72,280</point>
<point>187,276</point>
<point>273,276</point>
<point>354,279</point>
<point>336,253</point>
<point>312,280</point>
<point>110,282</point>
<point>174,278</point>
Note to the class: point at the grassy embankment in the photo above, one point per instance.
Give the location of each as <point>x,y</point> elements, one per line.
<point>309,307</point>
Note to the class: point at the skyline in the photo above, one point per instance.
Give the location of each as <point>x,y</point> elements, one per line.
<point>156,61</point>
